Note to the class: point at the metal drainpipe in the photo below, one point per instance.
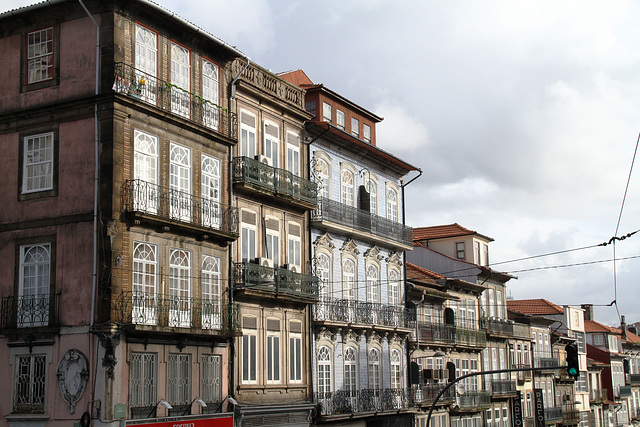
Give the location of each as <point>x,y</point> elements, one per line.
<point>232,96</point>
<point>95,197</point>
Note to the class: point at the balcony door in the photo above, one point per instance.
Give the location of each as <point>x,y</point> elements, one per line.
<point>34,287</point>
<point>180,288</point>
<point>211,209</point>
<point>146,61</point>
<point>145,172</point>
<point>144,284</point>
<point>181,79</point>
<point>180,182</point>
<point>210,92</point>
<point>211,293</point>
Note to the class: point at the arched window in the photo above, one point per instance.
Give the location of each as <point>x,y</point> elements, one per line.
<point>322,175</point>
<point>211,293</point>
<point>180,288</point>
<point>324,371</point>
<point>396,375</point>
<point>347,188</point>
<point>323,271</point>
<point>374,369</point>
<point>394,288</point>
<point>373,284</point>
<point>372,188</point>
<point>348,280</point>
<point>351,369</point>
<point>392,205</point>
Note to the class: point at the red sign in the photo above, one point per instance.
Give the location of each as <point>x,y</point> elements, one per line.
<point>190,422</point>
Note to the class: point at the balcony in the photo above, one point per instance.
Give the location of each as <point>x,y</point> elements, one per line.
<point>499,327</point>
<point>259,280</point>
<point>474,401</point>
<point>551,363</point>
<point>553,414</point>
<point>350,402</point>
<point>171,209</point>
<point>625,391</point>
<point>367,314</point>
<point>146,311</point>
<point>570,416</point>
<point>342,218</point>
<point>142,87</point>
<point>501,387</point>
<point>428,333</point>
<point>425,394</point>
<point>259,178</point>
<point>32,311</point>
<point>523,376</point>
<point>598,395</point>
<point>473,338</point>
<point>632,379</point>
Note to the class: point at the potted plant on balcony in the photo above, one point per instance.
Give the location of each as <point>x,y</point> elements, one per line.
<point>135,88</point>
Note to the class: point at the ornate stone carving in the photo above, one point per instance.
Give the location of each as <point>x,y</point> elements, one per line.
<point>350,246</point>
<point>109,338</point>
<point>394,258</point>
<point>72,376</point>
<point>374,253</point>
<point>324,241</point>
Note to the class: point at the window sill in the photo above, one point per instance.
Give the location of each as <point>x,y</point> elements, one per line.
<point>26,417</point>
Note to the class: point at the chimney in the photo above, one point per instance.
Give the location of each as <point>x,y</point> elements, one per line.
<point>588,311</point>
<point>623,327</point>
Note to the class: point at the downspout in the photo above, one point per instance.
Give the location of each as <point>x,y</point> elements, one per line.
<point>232,96</point>
<point>95,202</point>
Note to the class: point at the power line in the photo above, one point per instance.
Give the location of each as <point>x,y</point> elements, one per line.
<point>574,265</point>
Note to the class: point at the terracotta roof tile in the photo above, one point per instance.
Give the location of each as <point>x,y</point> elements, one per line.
<point>417,272</point>
<point>593,326</point>
<point>534,307</point>
<point>440,231</point>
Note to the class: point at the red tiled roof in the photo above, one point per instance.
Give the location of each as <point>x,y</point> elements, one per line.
<point>296,77</point>
<point>534,307</point>
<point>593,326</point>
<point>443,231</point>
<point>417,272</point>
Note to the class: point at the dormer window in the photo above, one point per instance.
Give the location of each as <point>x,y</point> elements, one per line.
<point>340,120</point>
<point>326,112</point>
<point>460,250</point>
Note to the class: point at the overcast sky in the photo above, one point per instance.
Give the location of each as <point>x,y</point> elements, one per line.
<point>522,115</point>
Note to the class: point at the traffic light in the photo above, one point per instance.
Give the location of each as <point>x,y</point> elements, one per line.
<point>573,368</point>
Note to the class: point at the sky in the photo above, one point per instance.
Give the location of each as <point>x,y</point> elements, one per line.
<point>523,117</point>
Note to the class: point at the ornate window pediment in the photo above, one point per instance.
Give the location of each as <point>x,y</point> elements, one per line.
<point>350,246</point>
<point>373,254</point>
<point>394,258</point>
<point>324,241</point>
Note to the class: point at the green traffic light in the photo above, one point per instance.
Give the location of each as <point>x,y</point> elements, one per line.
<point>573,371</point>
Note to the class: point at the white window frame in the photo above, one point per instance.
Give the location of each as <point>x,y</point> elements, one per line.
<point>180,171</point>
<point>392,204</point>
<point>211,289</point>
<point>460,253</point>
<point>179,379</point>
<point>293,153</point>
<point>144,283</point>
<point>348,279</point>
<point>347,187</point>
<point>249,372</point>
<point>38,163</point>
<point>373,283</point>
<point>272,241</point>
<point>211,93</point>
<point>271,142</point>
<point>143,380</point>
<point>325,367</point>
<point>394,287</point>
<point>396,369</point>
<point>248,238</point>
<point>180,77</point>
<point>248,138</point>
<point>145,172</point>
<point>294,244</point>
<point>373,369</point>
<point>366,132</point>
<point>340,119</point>
<point>295,355</point>
<point>210,191</point>
<point>273,357</point>
<point>34,285</point>
<point>323,176</point>
<point>40,55</point>
<point>323,271</point>
<point>147,60</point>
<point>372,189</point>
<point>355,127</point>
<point>180,288</point>
<point>326,112</point>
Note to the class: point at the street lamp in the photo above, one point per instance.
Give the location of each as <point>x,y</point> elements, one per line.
<point>198,401</point>
<point>230,399</point>
<point>161,402</point>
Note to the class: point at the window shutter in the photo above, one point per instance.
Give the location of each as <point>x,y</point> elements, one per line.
<point>247,119</point>
<point>271,130</point>
<point>272,224</point>
<point>294,229</point>
<point>273,325</point>
<point>248,217</point>
<point>249,322</point>
<point>295,327</point>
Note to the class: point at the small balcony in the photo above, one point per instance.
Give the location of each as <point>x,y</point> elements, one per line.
<point>549,363</point>
<point>260,178</point>
<point>632,379</point>
<point>350,402</point>
<point>501,387</point>
<point>570,416</point>
<point>425,394</point>
<point>368,314</point>
<point>553,414</point>
<point>523,376</point>
<point>163,313</point>
<point>498,327</point>
<point>429,333</point>
<point>32,311</point>
<point>473,338</point>
<point>263,281</point>
<point>342,218</point>
<point>474,401</point>
<point>625,391</point>
<point>142,87</point>
<point>169,209</point>
<point>598,395</point>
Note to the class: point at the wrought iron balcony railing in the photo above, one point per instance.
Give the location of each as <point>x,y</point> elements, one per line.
<point>546,362</point>
<point>358,219</point>
<point>425,394</point>
<point>633,379</point>
<point>140,308</point>
<point>366,400</point>
<point>501,387</point>
<point>570,415</point>
<point>625,391</point>
<point>471,337</point>
<point>474,400</point>
<point>151,90</point>
<point>30,311</point>
<point>352,311</point>
<point>498,326</point>
<point>434,333</point>
<point>280,182</point>
<point>552,414</point>
<point>172,205</point>
<point>277,281</point>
